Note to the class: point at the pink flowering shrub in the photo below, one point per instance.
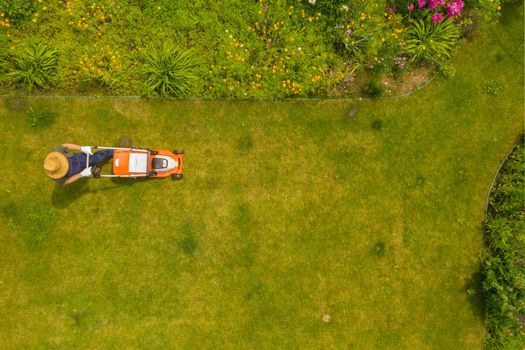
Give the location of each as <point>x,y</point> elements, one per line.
<point>437,17</point>
<point>424,8</point>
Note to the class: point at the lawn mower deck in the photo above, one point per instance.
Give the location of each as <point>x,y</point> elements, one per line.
<point>142,162</point>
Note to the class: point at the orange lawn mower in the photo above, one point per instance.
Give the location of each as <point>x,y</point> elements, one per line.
<point>143,162</point>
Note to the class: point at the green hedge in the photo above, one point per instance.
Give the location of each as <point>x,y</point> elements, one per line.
<point>504,256</point>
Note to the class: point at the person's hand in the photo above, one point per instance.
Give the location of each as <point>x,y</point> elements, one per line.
<point>86,150</point>
<point>88,172</point>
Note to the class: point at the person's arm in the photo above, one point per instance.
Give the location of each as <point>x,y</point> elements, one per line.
<point>72,179</point>
<point>72,146</point>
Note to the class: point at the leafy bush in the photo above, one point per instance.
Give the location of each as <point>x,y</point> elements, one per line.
<point>35,67</point>
<point>421,9</point>
<point>169,70</point>
<point>17,10</point>
<point>329,8</point>
<point>101,64</point>
<point>490,10</point>
<point>432,42</point>
<point>366,31</point>
<point>504,256</point>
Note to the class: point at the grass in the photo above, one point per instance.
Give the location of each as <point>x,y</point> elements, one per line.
<point>288,212</point>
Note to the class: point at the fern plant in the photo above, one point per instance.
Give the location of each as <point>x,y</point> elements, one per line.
<point>432,42</point>
<point>35,67</point>
<point>168,70</point>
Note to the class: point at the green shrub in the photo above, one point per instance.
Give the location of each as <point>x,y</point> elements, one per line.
<point>365,32</point>
<point>490,10</point>
<point>432,42</point>
<point>35,67</point>
<point>504,256</point>
<point>169,71</point>
<point>17,10</point>
<point>350,45</point>
<point>331,8</point>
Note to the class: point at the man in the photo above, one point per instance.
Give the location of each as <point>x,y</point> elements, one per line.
<point>66,167</point>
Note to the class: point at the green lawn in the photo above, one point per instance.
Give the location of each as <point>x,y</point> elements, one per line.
<point>289,211</point>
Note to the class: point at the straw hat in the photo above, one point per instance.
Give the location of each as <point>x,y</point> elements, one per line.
<point>56,165</point>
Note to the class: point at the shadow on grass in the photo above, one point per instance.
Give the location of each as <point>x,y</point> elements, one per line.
<point>188,244</point>
<point>64,195</point>
<point>475,295</point>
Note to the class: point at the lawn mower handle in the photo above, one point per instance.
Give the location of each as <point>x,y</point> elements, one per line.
<point>120,148</point>
<point>115,148</point>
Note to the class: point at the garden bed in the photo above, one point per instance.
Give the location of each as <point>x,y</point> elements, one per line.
<point>233,48</point>
<point>504,255</point>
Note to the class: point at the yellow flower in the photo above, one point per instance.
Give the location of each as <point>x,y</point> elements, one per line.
<point>34,20</point>
<point>36,14</point>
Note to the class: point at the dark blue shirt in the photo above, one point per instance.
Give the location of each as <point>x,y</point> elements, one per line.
<point>77,161</point>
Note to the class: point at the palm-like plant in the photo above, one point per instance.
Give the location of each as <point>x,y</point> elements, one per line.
<point>432,42</point>
<point>169,71</point>
<point>35,67</point>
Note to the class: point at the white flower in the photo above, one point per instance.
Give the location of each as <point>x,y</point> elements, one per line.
<point>299,48</point>
<point>311,2</point>
<point>344,8</point>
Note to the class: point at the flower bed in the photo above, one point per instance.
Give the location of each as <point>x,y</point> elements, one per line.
<point>235,48</point>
